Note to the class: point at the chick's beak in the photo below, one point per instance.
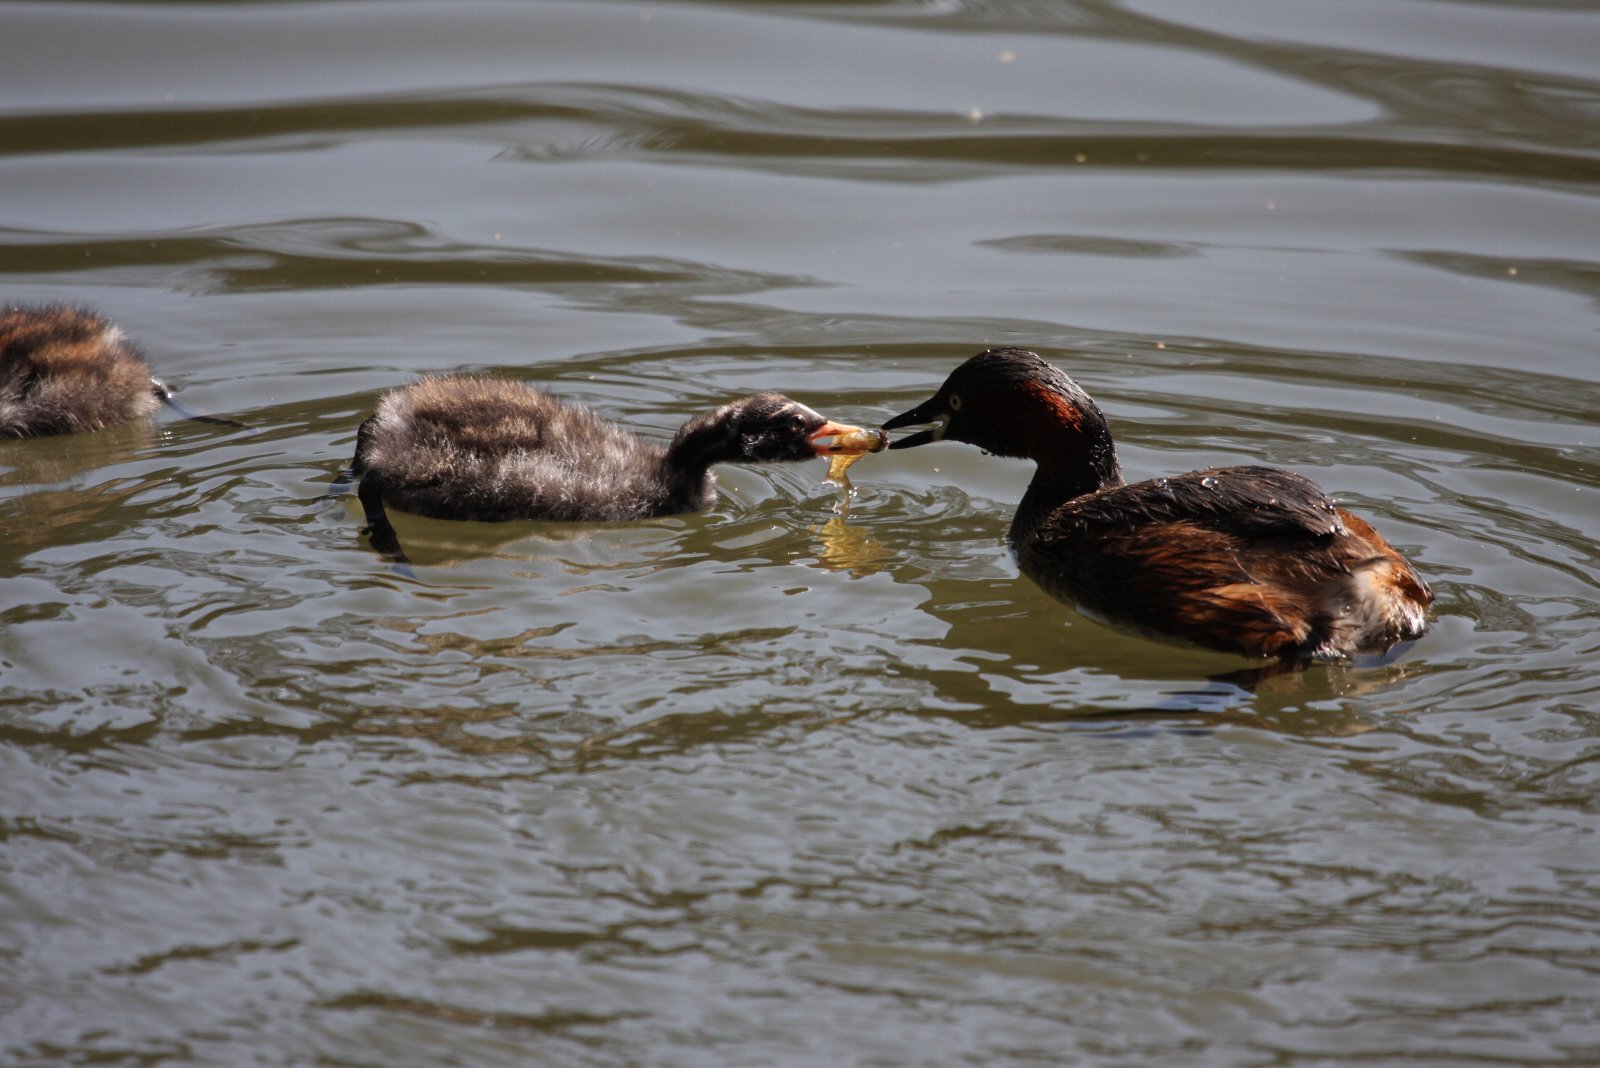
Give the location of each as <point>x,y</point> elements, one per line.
<point>929,411</point>
<point>836,439</point>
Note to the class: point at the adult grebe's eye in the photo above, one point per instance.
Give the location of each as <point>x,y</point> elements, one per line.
<point>955,402</point>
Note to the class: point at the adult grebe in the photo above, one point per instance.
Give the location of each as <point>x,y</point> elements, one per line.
<point>1250,560</point>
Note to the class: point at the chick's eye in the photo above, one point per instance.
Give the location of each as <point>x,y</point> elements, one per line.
<point>797,423</point>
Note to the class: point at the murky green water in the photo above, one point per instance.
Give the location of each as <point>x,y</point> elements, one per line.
<point>775,785</point>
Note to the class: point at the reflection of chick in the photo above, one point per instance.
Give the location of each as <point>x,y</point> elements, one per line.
<point>61,515</point>
<point>64,370</point>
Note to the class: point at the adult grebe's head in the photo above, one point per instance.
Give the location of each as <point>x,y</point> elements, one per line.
<point>1013,403</point>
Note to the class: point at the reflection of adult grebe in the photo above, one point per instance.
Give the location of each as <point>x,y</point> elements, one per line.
<point>64,370</point>
<point>468,447</point>
<point>1250,560</point>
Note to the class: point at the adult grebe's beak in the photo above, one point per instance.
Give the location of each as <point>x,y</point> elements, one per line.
<point>842,439</point>
<point>932,411</point>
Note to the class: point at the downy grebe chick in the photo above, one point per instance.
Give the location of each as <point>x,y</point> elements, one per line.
<point>472,447</point>
<point>64,370</point>
<point>1250,560</point>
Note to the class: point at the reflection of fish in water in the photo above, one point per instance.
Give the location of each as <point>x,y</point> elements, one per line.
<point>64,370</point>
<point>850,548</point>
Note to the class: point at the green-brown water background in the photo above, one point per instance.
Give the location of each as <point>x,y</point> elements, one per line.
<point>771,785</point>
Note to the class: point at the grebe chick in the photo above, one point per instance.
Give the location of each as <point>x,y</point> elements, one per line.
<point>64,370</point>
<point>484,448</point>
<point>1250,560</point>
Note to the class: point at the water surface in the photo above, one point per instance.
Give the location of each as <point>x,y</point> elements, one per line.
<point>797,781</point>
